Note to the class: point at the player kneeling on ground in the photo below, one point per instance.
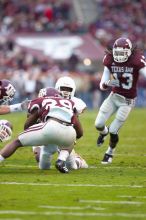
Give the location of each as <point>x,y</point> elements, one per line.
<point>59,126</point>
<point>66,87</point>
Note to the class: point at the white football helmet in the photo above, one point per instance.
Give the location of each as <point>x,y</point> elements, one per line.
<point>122,50</point>
<point>66,86</point>
<point>5,130</point>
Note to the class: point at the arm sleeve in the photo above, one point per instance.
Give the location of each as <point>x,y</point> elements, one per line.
<point>143,71</point>
<point>105,78</point>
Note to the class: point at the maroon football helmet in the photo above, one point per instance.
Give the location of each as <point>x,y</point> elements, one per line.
<point>49,91</point>
<point>6,129</point>
<point>7,91</point>
<point>122,50</point>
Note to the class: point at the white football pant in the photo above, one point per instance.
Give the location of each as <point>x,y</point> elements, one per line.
<point>114,103</point>
<point>51,132</point>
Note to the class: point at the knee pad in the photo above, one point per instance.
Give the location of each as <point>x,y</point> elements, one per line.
<point>100,121</point>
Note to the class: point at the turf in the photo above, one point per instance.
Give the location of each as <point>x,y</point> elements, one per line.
<point>105,192</point>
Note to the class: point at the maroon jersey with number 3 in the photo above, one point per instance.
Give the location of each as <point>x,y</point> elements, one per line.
<point>127,73</point>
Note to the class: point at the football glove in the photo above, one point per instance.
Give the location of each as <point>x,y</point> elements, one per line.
<point>24,104</point>
<point>112,83</point>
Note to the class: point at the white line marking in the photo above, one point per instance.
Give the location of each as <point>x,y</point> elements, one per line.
<point>70,185</point>
<point>74,213</point>
<point>10,218</point>
<point>90,167</point>
<point>125,196</point>
<point>71,207</point>
<point>134,138</point>
<point>130,155</point>
<point>112,202</point>
<point>18,166</point>
<point>109,166</point>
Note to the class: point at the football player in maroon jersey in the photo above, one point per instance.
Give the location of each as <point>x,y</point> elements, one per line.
<point>59,125</point>
<point>43,155</point>
<point>7,92</point>
<point>122,66</point>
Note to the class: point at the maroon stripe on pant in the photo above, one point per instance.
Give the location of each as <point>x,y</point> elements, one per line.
<point>36,128</point>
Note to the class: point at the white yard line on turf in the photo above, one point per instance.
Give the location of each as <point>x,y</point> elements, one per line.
<point>111,202</point>
<point>109,166</point>
<point>10,219</point>
<point>91,214</point>
<point>125,196</point>
<point>18,166</point>
<point>90,167</point>
<point>71,207</point>
<point>71,185</point>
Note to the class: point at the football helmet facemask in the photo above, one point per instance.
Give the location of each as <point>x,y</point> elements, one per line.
<point>49,91</point>
<point>66,86</point>
<point>7,91</point>
<point>122,50</point>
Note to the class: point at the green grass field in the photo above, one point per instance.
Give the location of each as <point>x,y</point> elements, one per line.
<point>105,192</point>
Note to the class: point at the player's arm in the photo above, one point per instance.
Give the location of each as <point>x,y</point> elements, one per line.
<point>6,109</point>
<point>31,119</point>
<point>142,71</point>
<point>106,80</point>
<point>77,126</point>
<point>80,105</point>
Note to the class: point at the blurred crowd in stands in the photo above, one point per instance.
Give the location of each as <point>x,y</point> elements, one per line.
<point>36,16</point>
<point>120,17</point>
<point>30,73</point>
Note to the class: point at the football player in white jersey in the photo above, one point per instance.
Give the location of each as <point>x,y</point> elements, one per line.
<point>59,126</point>
<point>7,92</point>
<point>66,86</point>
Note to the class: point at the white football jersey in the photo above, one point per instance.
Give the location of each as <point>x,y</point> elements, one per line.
<point>80,105</point>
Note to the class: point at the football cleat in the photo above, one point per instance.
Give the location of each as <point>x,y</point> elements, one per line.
<point>61,166</point>
<point>107,159</point>
<point>101,138</point>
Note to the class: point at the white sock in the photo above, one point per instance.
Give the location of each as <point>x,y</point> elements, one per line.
<point>110,151</point>
<point>1,158</point>
<point>63,155</point>
<point>105,131</point>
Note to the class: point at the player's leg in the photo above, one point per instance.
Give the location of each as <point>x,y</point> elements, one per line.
<point>121,116</point>
<point>9,149</point>
<point>106,110</point>
<point>36,152</point>
<point>75,161</point>
<point>27,138</point>
<point>61,163</point>
<point>45,156</point>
